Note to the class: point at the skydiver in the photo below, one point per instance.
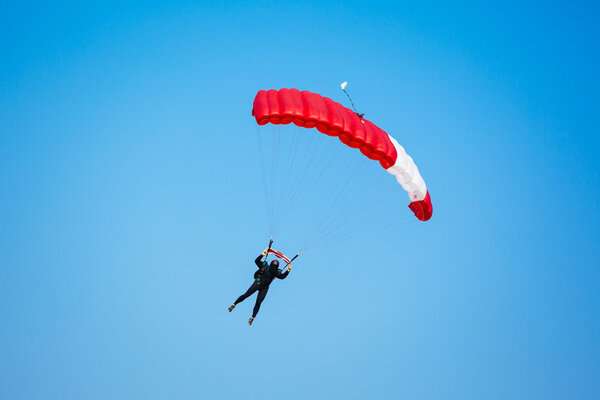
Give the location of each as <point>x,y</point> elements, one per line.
<point>262,279</point>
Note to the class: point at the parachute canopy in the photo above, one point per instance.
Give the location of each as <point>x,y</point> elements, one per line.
<point>311,110</point>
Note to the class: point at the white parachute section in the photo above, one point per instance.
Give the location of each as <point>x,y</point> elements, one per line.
<point>406,171</point>
<point>407,174</point>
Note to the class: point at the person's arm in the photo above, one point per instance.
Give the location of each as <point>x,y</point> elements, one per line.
<point>258,260</point>
<point>283,275</point>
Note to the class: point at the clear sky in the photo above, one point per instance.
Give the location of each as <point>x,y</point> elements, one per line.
<point>131,207</point>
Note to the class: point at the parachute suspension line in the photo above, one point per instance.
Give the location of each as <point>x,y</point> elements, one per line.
<point>362,204</point>
<point>274,176</point>
<point>323,163</point>
<point>357,204</point>
<point>358,201</point>
<point>347,201</point>
<point>348,192</point>
<point>272,180</point>
<point>287,172</point>
<point>322,169</point>
<point>264,179</point>
<point>316,142</point>
<point>335,220</point>
<point>336,194</point>
<point>337,199</point>
<point>285,193</point>
<point>283,200</point>
<point>275,202</point>
<point>366,229</point>
<point>307,182</point>
<point>334,197</point>
<point>286,186</point>
<point>383,219</point>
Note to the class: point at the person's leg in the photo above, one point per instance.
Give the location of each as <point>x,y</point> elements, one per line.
<point>259,299</point>
<point>253,288</point>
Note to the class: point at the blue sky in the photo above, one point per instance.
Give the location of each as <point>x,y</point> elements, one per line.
<point>132,208</point>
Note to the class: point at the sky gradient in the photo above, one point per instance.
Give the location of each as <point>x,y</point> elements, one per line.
<point>131,206</point>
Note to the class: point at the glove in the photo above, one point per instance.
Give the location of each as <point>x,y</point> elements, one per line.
<point>265,252</point>
<point>289,268</point>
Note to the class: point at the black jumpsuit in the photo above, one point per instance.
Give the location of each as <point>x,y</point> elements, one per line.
<point>262,279</point>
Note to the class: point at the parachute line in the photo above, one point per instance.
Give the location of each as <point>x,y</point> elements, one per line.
<point>264,178</point>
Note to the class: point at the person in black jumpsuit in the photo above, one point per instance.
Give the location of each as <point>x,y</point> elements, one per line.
<point>262,279</point>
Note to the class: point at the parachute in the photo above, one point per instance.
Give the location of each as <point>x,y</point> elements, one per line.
<point>311,110</point>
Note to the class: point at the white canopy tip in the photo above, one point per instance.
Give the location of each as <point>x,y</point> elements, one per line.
<point>343,85</point>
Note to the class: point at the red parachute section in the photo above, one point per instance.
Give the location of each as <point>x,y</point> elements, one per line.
<point>423,208</point>
<point>310,110</point>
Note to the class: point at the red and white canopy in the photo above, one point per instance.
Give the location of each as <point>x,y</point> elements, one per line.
<point>311,110</point>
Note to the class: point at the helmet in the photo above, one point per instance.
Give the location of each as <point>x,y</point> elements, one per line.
<point>274,265</point>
